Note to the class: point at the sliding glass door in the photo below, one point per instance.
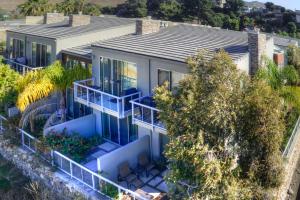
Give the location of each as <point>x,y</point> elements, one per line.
<point>18,48</point>
<point>120,131</point>
<point>41,55</point>
<point>117,76</point>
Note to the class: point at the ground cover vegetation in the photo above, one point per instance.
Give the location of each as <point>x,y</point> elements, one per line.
<point>227,130</point>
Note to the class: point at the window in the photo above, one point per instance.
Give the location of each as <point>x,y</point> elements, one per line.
<point>41,55</point>
<point>171,77</point>
<point>117,76</point>
<point>18,48</point>
<point>163,77</point>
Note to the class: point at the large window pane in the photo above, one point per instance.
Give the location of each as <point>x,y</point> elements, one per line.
<point>163,77</point>
<point>117,76</point>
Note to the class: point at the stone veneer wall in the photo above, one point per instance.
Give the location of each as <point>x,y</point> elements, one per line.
<point>40,171</point>
<point>290,168</point>
<point>257,48</point>
<point>51,18</point>
<point>79,20</point>
<point>147,26</point>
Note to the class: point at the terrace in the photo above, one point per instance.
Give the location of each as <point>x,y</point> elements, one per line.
<point>145,114</point>
<point>105,159</point>
<point>89,94</point>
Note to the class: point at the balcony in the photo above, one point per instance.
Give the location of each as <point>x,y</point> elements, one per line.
<point>85,92</point>
<point>21,68</point>
<point>145,114</point>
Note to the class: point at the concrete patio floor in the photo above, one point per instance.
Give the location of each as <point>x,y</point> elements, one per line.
<point>101,150</point>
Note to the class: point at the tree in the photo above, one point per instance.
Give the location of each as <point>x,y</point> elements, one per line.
<point>201,122</point>
<point>220,131</point>
<point>71,6</point>
<point>39,85</point>
<point>231,23</point>
<point>170,10</point>
<point>133,8</point>
<point>91,9</point>
<point>8,90</point>
<point>262,129</point>
<point>35,7</point>
<point>234,6</point>
<point>198,9</point>
<point>292,29</point>
<point>293,53</point>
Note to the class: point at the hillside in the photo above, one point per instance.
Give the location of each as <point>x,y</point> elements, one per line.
<point>12,4</point>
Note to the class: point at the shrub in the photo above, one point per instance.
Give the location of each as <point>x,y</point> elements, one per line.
<point>72,145</point>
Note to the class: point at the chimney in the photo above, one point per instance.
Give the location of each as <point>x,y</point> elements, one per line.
<point>257,48</point>
<point>50,18</point>
<point>147,26</point>
<point>79,20</point>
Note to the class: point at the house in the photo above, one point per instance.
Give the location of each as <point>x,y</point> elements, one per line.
<point>40,45</point>
<point>45,38</point>
<point>125,71</point>
<point>298,16</point>
<point>253,6</point>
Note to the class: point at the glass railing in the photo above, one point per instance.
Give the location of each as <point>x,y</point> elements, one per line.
<point>87,93</point>
<point>145,113</point>
<point>21,68</point>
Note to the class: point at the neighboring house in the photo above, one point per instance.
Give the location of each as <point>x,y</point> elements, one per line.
<point>44,41</point>
<point>253,6</point>
<point>7,25</point>
<point>40,45</point>
<point>298,16</point>
<point>125,71</point>
<point>280,48</point>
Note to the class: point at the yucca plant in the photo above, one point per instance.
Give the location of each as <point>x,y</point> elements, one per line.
<point>42,92</point>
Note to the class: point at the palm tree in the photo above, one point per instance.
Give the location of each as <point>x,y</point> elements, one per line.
<point>34,7</point>
<point>43,92</point>
<point>67,7</point>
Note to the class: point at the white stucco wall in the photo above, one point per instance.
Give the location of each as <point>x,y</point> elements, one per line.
<point>85,126</point>
<point>108,164</point>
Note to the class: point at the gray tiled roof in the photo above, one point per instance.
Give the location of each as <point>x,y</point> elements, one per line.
<point>179,42</point>
<point>285,41</point>
<point>84,51</point>
<point>62,30</point>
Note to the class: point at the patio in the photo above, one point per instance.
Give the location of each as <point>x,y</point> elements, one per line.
<point>154,185</point>
<point>99,151</point>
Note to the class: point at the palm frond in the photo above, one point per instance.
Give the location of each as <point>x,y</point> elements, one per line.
<point>36,108</point>
<point>51,120</point>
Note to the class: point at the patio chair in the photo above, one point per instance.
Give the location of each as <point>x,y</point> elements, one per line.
<point>144,163</point>
<point>126,173</point>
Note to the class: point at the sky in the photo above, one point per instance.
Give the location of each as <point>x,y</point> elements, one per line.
<point>290,4</point>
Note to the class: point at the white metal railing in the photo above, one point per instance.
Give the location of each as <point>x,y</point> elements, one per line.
<point>89,178</point>
<point>86,93</point>
<point>147,115</point>
<point>76,171</point>
<point>2,120</point>
<point>21,68</point>
<point>292,140</point>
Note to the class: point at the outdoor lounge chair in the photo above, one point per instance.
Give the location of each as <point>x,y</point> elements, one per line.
<point>126,174</point>
<point>144,163</point>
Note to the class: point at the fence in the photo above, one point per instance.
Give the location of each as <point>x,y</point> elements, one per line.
<point>293,140</point>
<point>76,171</point>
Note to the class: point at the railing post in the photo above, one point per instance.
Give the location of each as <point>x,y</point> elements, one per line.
<point>52,157</point>
<point>87,96</point>
<point>75,90</point>
<point>119,192</point>
<point>22,137</point>
<point>71,170</point>
<point>93,181</point>
<point>152,118</point>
